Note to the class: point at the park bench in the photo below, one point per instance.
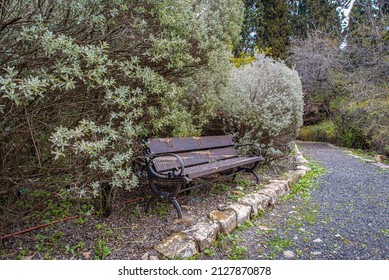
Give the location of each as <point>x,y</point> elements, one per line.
<point>179,161</point>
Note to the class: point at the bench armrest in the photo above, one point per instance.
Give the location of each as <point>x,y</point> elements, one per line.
<point>259,152</point>
<point>173,174</point>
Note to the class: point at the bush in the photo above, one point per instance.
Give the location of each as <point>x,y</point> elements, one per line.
<point>324,131</point>
<point>82,81</point>
<point>264,104</point>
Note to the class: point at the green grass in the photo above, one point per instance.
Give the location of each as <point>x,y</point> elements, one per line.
<point>306,184</point>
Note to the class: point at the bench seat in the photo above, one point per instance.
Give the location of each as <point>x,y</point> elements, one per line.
<point>181,160</point>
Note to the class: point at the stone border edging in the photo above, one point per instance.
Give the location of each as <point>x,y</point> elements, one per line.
<point>201,235</point>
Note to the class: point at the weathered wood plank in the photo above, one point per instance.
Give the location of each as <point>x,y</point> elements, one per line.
<point>176,145</point>
<point>214,167</point>
<point>194,158</point>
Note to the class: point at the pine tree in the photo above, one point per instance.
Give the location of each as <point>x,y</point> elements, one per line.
<point>252,29</point>
<point>277,29</point>
<point>310,15</point>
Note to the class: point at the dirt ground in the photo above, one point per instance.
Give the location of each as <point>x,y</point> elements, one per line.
<point>128,233</point>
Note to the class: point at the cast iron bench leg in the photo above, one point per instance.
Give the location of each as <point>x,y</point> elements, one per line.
<point>171,197</point>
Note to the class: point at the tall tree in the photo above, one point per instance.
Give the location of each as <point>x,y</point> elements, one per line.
<point>277,29</point>
<point>252,29</point>
<point>311,15</point>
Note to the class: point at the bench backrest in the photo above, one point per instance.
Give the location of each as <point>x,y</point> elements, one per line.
<point>193,150</point>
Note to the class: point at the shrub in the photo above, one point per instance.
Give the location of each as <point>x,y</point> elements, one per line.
<point>324,131</point>
<point>264,104</point>
<point>83,81</point>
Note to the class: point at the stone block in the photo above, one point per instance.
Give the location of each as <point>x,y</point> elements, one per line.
<point>226,219</point>
<point>269,192</point>
<point>251,201</point>
<point>177,246</point>
<point>204,233</point>
<point>285,183</point>
<point>303,167</point>
<point>242,212</point>
<point>263,200</point>
<point>294,175</point>
<point>279,188</point>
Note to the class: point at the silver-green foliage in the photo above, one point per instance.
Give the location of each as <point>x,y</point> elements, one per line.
<point>264,103</point>
<point>93,77</point>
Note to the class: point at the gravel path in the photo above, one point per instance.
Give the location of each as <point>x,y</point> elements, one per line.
<point>346,216</point>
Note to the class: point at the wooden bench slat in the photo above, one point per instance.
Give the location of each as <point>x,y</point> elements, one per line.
<point>213,167</point>
<point>193,158</point>
<point>176,145</point>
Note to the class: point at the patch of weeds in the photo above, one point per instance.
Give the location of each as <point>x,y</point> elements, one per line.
<point>278,245</point>
<point>299,252</point>
<point>235,197</point>
<point>76,249</point>
<point>23,252</point>
<point>217,188</point>
<point>101,250</point>
<point>210,252</point>
<point>246,225</point>
<point>47,256</point>
<point>303,187</point>
<point>136,210</point>
<point>259,215</point>
<point>309,217</point>
<point>385,232</point>
<point>230,244</point>
<point>194,257</point>
<point>237,252</point>
<point>243,182</point>
<point>56,236</point>
<point>161,208</point>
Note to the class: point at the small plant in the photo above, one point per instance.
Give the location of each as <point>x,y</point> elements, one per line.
<point>209,252</point>
<point>385,232</point>
<point>76,249</point>
<point>101,250</point>
<point>246,225</point>
<point>22,253</point>
<point>304,186</point>
<point>237,252</point>
<point>277,245</point>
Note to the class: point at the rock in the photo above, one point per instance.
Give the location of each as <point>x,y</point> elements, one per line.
<point>145,256</point>
<point>204,233</point>
<point>279,188</point>
<point>87,255</point>
<point>294,175</point>
<point>289,255</point>
<point>242,212</point>
<point>338,236</point>
<point>251,201</point>
<point>381,157</point>
<point>317,240</point>
<point>257,201</point>
<point>179,245</point>
<point>226,219</point>
<point>316,253</point>
<point>271,194</point>
<point>303,167</point>
<point>222,207</point>
<point>186,221</point>
<point>284,182</point>
<point>239,193</point>
<point>264,228</point>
